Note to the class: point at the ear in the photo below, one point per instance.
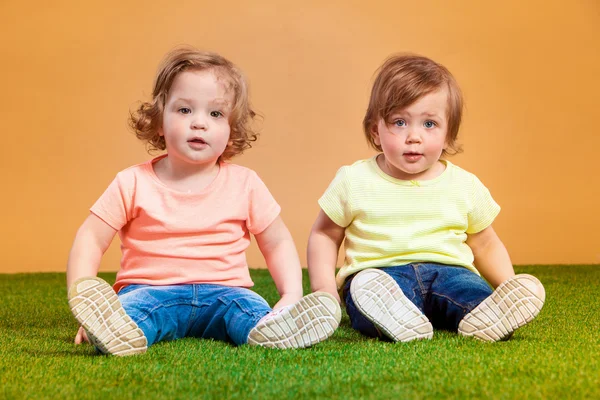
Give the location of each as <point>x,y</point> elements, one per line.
<point>446,144</point>
<point>375,134</point>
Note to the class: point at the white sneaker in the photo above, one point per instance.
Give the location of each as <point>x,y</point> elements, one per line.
<point>379,298</point>
<point>514,303</point>
<point>311,320</point>
<point>96,306</point>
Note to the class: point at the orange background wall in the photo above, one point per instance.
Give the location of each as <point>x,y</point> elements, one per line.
<point>530,71</point>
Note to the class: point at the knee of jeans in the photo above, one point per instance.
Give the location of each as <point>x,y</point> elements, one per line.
<point>248,302</point>
<point>471,298</point>
<point>477,296</point>
<point>140,302</point>
<point>242,314</point>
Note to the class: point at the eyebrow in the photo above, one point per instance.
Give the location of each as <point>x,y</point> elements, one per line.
<point>426,113</point>
<point>218,102</point>
<point>429,114</point>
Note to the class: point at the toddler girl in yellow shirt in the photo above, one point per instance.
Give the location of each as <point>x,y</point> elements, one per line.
<point>418,229</point>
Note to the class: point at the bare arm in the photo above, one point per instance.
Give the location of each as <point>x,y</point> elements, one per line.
<point>491,258</point>
<point>323,245</point>
<point>92,240</point>
<point>278,248</point>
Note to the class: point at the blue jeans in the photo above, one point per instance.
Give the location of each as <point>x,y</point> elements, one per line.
<point>444,293</point>
<point>196,310</point>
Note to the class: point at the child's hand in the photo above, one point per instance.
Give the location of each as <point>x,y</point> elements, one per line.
<point>81,336</point>
<point>287,300</point>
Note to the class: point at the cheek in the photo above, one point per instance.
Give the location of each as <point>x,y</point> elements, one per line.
<point>226,130</point>
<point>391,143</point>
<point>225,136</point>
<point>167,126</point>
<point>437,146</point>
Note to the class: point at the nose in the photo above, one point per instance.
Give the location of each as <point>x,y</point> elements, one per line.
<point>199,122</point>
<point>413,136</point>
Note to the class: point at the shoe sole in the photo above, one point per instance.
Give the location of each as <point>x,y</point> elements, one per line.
<point>513,304</point>
<point>379,298</point>
<point>311,320</point>
<point>96,306</point>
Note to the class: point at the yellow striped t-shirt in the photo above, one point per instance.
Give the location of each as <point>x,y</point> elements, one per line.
<point>393,222</point>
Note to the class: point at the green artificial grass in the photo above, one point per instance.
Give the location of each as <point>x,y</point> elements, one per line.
<point>557,356</point>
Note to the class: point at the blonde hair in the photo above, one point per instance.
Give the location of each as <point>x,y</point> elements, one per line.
<point>402,80</point>
<point>147,119</point>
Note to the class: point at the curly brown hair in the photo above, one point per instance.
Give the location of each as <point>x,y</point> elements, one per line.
<point>404,79</point>
<point>146,121</point>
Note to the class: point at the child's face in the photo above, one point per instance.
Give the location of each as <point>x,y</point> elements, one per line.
<point>195,119</point>
<point>414,138</point>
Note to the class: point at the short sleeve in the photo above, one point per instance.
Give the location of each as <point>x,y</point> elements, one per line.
<point>262,207</point>
<point>336,201</point>
<point>114,206</point>
<point>483,208</point>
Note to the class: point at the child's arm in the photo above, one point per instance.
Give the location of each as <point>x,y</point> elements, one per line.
<point>323,245</point>
<point>278,248</point>
<point>491,258</point>
<point>92,239</point>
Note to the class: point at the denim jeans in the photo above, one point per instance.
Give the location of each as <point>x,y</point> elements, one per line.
<point>195,310</point>
<point>444,293</point>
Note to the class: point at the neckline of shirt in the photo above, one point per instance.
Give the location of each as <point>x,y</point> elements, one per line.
<point>418,183</point>
<point>150,169</point>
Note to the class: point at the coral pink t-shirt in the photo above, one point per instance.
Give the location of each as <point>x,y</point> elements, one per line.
<point>170,237</point>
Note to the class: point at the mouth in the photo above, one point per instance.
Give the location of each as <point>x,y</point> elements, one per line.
<point>412,156</point>
<point>197,140</point>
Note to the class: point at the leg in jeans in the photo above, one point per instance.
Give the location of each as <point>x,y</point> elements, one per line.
<point>225,313</point>
<point>97,308</point>
<point>241,316</point>
<point>161,312</point>
<point>142,315</point>
<point>387,301</point>
<point>514,303</point>
<point>462,301</point>
<point>310,320</point>
<point>358,320</point>
<point>452,292</point>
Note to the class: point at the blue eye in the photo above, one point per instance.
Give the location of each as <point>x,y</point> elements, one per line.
<point>400,122</point>
<point>429,124</point>
<point>185,110</point>
<point>216,114</point>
